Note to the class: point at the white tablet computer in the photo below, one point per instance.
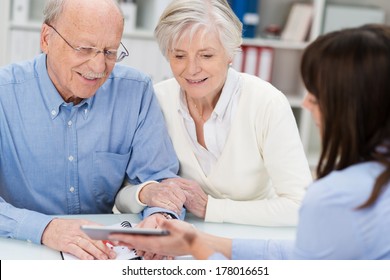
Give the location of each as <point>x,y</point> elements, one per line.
<point>102,232</point>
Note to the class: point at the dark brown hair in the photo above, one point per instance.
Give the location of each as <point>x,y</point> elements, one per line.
<point>348,71</point>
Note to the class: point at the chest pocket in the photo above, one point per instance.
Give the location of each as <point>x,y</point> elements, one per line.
<point>108,174</point>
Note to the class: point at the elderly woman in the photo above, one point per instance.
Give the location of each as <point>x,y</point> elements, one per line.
<point>241,158</point>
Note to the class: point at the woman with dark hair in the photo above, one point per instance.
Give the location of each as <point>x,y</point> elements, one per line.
<point>346,211</point>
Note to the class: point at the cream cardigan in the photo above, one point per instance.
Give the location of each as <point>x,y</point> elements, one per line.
<point>261,176</point>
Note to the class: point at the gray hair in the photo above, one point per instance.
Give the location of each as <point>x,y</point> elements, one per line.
<point>54,8</point>
<point>183,16</point>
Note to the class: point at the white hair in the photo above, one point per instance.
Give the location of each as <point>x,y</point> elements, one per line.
<point>189,16</point>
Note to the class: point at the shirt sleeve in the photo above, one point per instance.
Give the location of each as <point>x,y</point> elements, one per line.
<point>285,161</point>
<point>323,216</point>
<point>258,249</point>
<point>217,256</point>
<point>153,210</point>
<point>21,223</point>
<point>127,199</point>
<point>152,154</point>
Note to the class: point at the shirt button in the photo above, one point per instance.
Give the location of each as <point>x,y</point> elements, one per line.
<point>69,123</point>
<point>53,112</point>
<point>71,158</point>
<point>71,189</point>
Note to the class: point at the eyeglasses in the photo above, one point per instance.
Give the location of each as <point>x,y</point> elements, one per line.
<point>112,56</point>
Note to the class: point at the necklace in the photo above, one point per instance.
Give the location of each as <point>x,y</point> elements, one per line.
<point>200,115</point>
<point>197,110</point>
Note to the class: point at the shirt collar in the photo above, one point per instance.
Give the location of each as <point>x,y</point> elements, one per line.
<point>51,97</point>
<point>183,108</point>
<point>231,87</point>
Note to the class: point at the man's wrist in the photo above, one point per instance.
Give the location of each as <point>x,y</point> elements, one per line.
<point>166,215</point>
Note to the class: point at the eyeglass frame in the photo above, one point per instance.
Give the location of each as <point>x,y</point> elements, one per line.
<point>119,58</point>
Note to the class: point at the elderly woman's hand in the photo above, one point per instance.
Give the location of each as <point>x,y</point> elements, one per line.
<point>196,198</point>
<point>167,196</point>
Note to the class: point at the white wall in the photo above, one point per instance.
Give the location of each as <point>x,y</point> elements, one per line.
<point>4,23</point>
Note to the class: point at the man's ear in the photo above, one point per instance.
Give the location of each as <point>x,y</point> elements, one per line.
<point>45,38</point>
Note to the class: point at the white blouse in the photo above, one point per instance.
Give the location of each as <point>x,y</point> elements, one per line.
<point>216,129</point>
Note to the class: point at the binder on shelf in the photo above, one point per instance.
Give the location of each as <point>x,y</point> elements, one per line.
<point>264,63</point>
<point>237,61</point>
<point>249,61</point>
<point>20,11</point>
<point>257,61</point>
<point>298,22</point>
<point>247,12</point>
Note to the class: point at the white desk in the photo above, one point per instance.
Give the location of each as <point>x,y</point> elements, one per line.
<point>11,249</point>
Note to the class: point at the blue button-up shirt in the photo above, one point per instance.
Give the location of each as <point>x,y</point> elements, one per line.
<point>58,158</point>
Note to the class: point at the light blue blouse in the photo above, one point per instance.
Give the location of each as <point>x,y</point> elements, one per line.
<point>330,226</point>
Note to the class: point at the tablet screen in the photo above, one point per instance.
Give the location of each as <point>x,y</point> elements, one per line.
<point>102,232</point>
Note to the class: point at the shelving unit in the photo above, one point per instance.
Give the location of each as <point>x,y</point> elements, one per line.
<point>23,43</point>
<point>287,58</point>
<point>286,64</point>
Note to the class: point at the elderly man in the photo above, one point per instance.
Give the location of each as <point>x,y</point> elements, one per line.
<point>73,126</point>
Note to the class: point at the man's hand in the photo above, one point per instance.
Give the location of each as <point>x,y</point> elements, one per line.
<point>153,221</point>
<point>65,235</point>
<point>170,197</point>
<point>196,198</point>
<point>183,239</point>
